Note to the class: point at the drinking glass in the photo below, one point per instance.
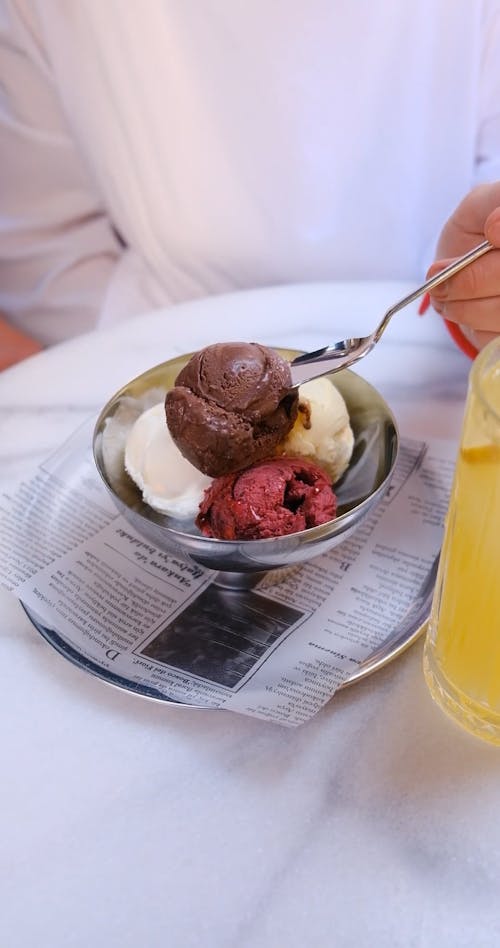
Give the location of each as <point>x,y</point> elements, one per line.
<point>462,648</point>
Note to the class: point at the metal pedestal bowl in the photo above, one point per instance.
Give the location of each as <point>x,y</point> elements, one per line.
<point>240,563</point>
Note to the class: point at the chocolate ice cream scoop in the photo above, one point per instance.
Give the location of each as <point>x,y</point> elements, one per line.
<point>231,404</point>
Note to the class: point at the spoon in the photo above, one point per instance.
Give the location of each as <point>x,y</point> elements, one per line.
<point>348,351</point>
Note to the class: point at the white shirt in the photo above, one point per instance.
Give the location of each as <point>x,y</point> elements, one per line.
<point>162,150</point>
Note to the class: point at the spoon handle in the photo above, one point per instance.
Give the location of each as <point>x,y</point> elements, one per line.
<point>348,351</point>
<point>440,277</point>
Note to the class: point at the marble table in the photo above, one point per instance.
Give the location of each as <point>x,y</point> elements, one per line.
<point>127,823</point>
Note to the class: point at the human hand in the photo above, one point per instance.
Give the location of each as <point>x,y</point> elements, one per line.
<point>472,297</point>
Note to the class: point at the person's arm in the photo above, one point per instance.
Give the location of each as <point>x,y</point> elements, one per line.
<point>57,246</point>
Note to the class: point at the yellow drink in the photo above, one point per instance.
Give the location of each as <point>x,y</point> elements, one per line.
<point>462,651</point>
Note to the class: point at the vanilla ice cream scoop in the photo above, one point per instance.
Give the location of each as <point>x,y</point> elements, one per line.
<point>322,431</point>
<point>169,483</point>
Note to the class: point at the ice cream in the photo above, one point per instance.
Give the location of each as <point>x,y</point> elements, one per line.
<point>232,403</point>
<point>169,483</point>
<point>322,430</point>
<point>271,498</point>
<point>232,410</point>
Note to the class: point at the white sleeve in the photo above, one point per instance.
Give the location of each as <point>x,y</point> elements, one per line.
<point>58,249</point>
<point>487,166</point>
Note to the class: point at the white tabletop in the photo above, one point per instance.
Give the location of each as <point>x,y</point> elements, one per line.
<point>128,823</point>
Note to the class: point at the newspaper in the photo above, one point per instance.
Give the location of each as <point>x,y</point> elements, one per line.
<point>161,625</point>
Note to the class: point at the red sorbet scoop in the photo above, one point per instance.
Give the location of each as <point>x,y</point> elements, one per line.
<point>269,499</point>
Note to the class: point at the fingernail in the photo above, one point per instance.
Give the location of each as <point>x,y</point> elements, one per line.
<point>424,304</point>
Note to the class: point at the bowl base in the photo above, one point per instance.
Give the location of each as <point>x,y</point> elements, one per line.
<point>227,579</point>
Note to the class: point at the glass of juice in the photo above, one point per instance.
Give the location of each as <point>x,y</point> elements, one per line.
<point>462,648</point>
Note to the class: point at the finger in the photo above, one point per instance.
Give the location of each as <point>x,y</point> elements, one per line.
<point>466,226</point>
<point>482,315</point>
<point>477,337</point>
<point>476,281</point>
<point>476,207</point>
<point>492,227</point>
<point>481,339</point>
